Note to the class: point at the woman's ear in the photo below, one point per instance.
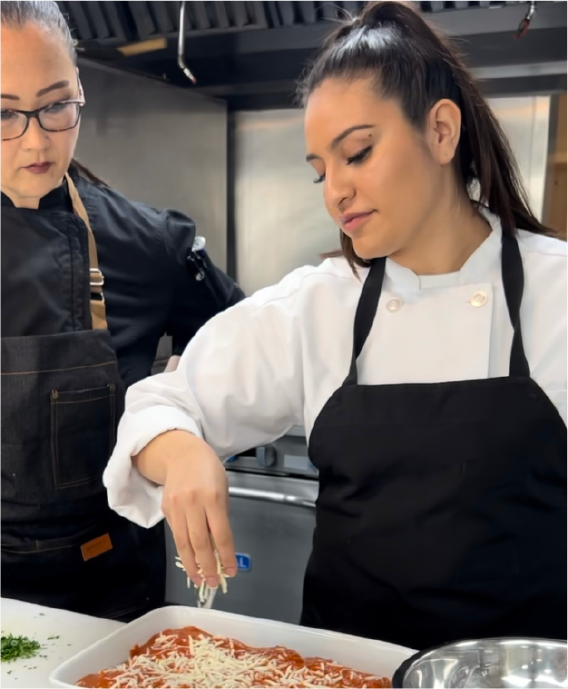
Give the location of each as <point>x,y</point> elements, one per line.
<point>443,129</point>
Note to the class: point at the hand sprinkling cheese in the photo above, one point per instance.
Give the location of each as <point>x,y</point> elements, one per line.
<point>203,589</point>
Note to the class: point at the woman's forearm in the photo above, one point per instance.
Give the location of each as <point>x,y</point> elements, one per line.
<point>173,446</point>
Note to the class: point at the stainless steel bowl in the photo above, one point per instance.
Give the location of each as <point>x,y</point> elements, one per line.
<point>499,663</point>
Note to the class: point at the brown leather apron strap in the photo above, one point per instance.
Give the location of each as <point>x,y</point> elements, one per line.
<point>96,278</point>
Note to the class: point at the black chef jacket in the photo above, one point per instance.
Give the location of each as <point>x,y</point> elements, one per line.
<point>150,285</point>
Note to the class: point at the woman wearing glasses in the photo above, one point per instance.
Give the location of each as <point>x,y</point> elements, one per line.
<point>68,352</point>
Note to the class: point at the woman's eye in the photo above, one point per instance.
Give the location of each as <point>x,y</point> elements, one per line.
<point>319,180</point>
<point>56,108</point>
<point>8,115</point>
<point>359,157</point>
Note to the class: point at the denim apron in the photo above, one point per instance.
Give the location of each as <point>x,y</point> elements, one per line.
<point>62,398</point>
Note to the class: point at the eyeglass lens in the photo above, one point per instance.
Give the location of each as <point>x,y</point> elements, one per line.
<point>57,117</point>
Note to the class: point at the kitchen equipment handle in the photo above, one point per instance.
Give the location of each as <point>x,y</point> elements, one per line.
<point>270,496</point>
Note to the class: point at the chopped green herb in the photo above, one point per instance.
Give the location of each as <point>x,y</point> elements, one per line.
<point>49,638</point>
<point>14,647</point>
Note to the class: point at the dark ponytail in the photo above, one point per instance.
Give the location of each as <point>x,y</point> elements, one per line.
<point>86,173</point>
<point>407,60</point>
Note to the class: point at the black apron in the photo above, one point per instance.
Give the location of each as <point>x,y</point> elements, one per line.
<point>442,507</point>
<point>62,546</point>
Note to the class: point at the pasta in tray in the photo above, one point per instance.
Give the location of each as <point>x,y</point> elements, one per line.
<point>190,657</point>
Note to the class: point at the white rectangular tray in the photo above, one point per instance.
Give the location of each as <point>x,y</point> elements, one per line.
<point>365,655</point>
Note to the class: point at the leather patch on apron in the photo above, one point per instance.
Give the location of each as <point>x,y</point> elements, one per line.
<point>96,547</point>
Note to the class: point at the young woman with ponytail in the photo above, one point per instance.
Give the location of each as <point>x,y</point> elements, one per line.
<point>426,362</point>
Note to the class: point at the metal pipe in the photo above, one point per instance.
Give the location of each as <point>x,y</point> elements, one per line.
<point>525,23</point>
<point>181,45</point>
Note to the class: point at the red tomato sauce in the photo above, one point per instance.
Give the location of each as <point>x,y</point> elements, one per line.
<point>173,648</point>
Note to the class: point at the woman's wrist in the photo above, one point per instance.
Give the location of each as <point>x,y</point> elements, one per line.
<point>165,451</point>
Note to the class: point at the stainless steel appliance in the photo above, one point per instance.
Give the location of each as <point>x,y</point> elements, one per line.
<point>272,499</point>
<point>487,663</point>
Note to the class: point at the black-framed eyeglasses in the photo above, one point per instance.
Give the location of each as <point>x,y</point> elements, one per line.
<point>57,117</point>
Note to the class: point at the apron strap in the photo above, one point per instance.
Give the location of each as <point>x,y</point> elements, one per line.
<point>96,278</point>
<point>513,284</point>
<point>365,314</point>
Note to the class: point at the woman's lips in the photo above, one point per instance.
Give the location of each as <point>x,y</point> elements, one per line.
<point>353,222</point>
<point>38,168</point>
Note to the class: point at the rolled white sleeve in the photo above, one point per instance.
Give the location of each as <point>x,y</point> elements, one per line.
<point>238,385</point>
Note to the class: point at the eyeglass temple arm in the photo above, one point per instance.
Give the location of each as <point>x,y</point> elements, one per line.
<point>81,91</point>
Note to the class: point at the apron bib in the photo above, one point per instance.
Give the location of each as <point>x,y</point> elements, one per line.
<point>62,398</point>
<point>442,507</point>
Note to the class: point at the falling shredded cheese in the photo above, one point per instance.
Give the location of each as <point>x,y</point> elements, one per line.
<point>203,590</point>
<point>190,657</point>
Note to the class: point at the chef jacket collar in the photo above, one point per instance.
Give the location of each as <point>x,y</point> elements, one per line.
<point>56,199</point>
<point>480,267</point>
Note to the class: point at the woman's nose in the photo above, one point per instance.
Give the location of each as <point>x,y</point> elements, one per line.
<point>35,138</point>
<point>338,191</point>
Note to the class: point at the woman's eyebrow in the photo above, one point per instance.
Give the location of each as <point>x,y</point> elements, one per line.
<point>54,87</point>
<point>345,133</point>
<point>339,138</point>
<point>64,83</point>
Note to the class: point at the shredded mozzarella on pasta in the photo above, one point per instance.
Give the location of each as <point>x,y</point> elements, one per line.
<point>192,658</point>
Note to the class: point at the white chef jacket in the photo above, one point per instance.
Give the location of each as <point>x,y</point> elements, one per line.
<point>274,360</point>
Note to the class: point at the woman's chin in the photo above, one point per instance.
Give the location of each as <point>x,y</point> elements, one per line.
<point>367,250</point>
<point>39,185</point>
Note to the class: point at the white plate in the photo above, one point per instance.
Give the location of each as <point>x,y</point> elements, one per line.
<point>376,657</point>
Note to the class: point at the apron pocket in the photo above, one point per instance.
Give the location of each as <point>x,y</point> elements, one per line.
<point>121,580</point>
<point>83,434</point>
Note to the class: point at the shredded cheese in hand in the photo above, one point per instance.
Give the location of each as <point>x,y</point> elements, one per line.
<point>203,590</point>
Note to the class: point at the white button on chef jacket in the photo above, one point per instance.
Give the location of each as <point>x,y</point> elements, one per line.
<point>274,360</point>
<point>393,305</point>
<point>479,299</point>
